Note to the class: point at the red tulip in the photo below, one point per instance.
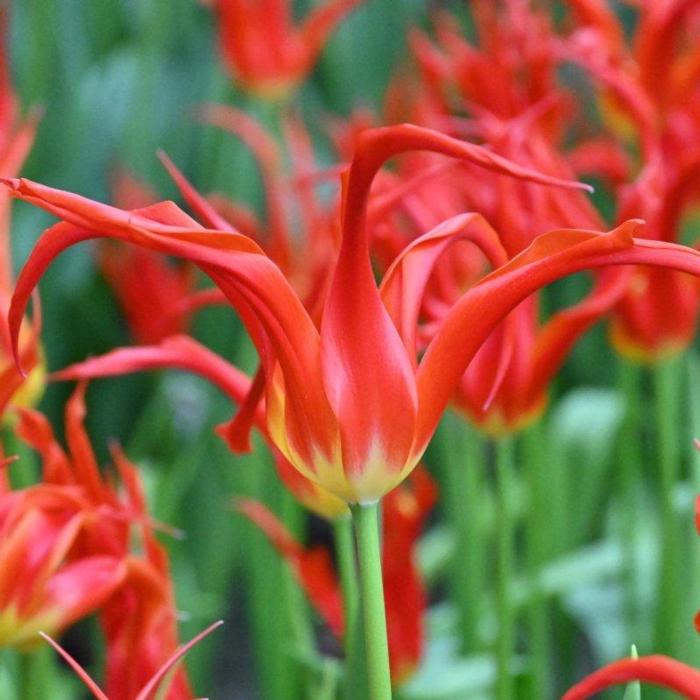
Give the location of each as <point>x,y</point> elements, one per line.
<point>404,512</point>
<point>263,49</point>
<point>347,403</point>
<point>45,583</point>
<point>649,92</point>
<point>132,594</point>
<point>62,542</point>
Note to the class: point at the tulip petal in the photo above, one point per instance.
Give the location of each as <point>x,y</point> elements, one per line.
<point>550,257</point>
<point>152,685</point>
<point>82,587</point>
<point>556,338</point>
<point>199,205</point>
<point>35,429</point>
<point>83,458</point>
<point>79,670</point>
<point>659,670</point>
<point>176,352</point>
<point>404,284</point>
<point>266,152</point>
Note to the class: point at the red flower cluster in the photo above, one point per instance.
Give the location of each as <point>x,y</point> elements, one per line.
<point>80,530</point>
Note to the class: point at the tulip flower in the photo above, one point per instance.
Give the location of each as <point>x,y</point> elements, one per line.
<point>71,523</point>
<point>132,594</point>
<point>54,587</point>
<point>350,412</point>
<point>345,403</point>
<point>649,102</point>
<point>512,69</point>
<point>262,48</point>
<point>404,512</point>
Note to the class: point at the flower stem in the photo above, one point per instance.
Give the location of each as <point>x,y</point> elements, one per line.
<point>366,522</point>
<point>537,554</point>
<point>462,459</point>
<point>667,395</point>
<point>355,680</point>
<point>505,529</point>
<point>630,461</point>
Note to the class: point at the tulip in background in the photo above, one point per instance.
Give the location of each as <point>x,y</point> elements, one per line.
<point>264,49</point>
<point>93,534</point>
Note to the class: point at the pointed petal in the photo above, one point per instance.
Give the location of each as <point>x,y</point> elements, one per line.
<point>281,328</point>
<point>82,455</point>
<point>35,429</point>
<point>320,22</point>
<point>404,284</point>
<point>176,352</point>
<point>79,670</point>
<point>266,152</point>
<point>658,670</point>
<point>550,257</point>
<point>199,205</point>
<point>237,431</point>
<point>152,685</point>
<point>558,336</point>
<point>80,588</point>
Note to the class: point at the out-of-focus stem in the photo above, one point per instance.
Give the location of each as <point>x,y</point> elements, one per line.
<point>366,523</point>
<point>355,680</point>
<point>294,598</point>
<point>537,527</point>
<point>629,475</point>
<point>505,538</point>
<point>462,494</point>
<point>667,402</point>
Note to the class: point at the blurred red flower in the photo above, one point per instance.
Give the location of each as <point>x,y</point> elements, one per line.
<point>132,593</point>
<point>262,47</point>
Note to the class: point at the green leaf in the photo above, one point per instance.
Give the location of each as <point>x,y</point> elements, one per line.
<point>634,690</point>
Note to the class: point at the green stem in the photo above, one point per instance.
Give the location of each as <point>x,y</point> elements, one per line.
<point>355,681</point>
<point>629,463</point>
<point>299,618</point>
<point>366,521</point>
<point>345,554</point>
<point>463,493</point>
<point>506,535</point>
<point>537,554</point>
<point>667,403</point>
